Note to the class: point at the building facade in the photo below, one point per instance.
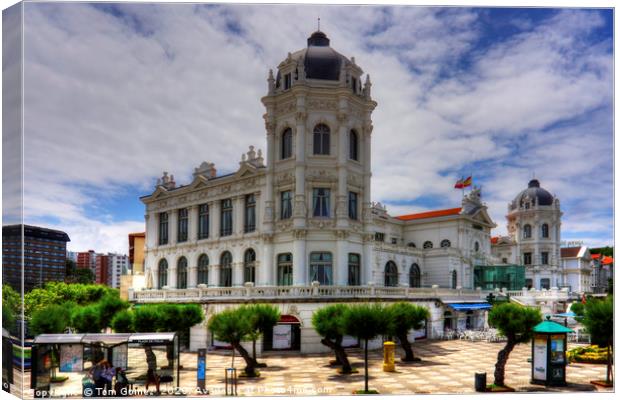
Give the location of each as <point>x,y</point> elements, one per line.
<point>118,265</point>
<point>87,260</point>
<point>299,222</point>
<point>43,257</point>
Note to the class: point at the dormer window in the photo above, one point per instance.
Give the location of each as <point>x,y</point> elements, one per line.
<point>287,81</point>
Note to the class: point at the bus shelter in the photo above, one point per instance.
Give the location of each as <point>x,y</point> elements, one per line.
<point>62,362</point>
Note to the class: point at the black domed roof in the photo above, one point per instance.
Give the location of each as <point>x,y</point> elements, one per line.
<point>321,61</point>
<point>534,191</point>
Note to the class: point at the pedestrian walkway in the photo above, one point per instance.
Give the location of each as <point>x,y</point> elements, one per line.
<point>446,367</point>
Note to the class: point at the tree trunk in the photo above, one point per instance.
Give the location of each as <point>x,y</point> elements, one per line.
<point>366,365</point>
<point>404,342</point>
<point>250,364</point>
<point>340,353</point>
<point>254,350</point>
<point>502,358</point>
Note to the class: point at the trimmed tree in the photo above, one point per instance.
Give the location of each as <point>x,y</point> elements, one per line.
<point>87,319</point>
<point>329,323</point>
<point>516,323</point>
<point>263,317</point>
<point>108,306</point>
<point>599,321</point>
<point>366,322</point>
<point>403,318</point>
<point>123,322</point>
<point>231,326</point>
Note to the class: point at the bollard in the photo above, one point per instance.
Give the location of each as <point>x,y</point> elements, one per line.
<point>388,356</point>
<point>481,381</point>
<point>230,379</point>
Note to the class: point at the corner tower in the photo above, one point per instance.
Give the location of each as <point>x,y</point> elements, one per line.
<point>318,123</point>
<point>534,221</point>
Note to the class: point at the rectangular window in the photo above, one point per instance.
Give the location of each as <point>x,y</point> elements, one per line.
<point>354,270</point>
<point>226,218</point>
<point>287,81</point>
<point>285,269</point>
<point>527,258</point>
<point>544,258</point>
<point>286,204</point>
<point>163,228</point>
<point>182,225</point>
<point>321,268</point>
<point>353,205</point>
<point>379,237</point>
<point>250,213</point>
<point>545,283</point>
<point>320,202</point>
<point>203,221</point>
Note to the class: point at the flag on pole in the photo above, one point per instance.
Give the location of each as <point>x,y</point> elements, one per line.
<point>459,184</point>
<point>467,182</point>
<point>583,298</point>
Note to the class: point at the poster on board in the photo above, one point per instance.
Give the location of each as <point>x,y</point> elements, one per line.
<point>282,337</point>
<point>71,357</point>
<point>119,356</point>
<point>540,357</point>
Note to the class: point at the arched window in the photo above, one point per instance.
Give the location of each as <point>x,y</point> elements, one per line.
<point>203,269</point>
<point>428,244</point>
<point>321,135</point>
<point>182,273</point>
<point>527,231</point>
<point>285,269</point>
<point>287,144</point>
<point>476,246</point>
<point>249,266</point>
<point>411,244</point>
<point>414,276</point>
<point>353,145</point>
<point>391,274</point>
<point>445,243</point>
<point>545,230</point>
<point>162,273</point>
<point>226,269</point>
<point>453,279</point>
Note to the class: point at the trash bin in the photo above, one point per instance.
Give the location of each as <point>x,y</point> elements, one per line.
<point>481,381</point>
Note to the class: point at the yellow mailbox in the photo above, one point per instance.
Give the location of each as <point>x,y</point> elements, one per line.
<point>388,356</point>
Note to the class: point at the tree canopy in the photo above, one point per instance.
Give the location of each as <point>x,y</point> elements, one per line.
<point>51,319</point>
<point>60,292</point>
<point>403,317</point>
<point>599,321</point>
<point>330,324</point>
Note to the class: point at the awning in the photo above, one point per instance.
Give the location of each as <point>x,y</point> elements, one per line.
<point>469,306</point>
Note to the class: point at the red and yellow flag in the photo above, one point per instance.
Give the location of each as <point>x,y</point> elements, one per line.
<point>463,183</point>
<point>467,182</point>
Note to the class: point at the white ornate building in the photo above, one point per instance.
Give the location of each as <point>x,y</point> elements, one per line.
<point>296,227</point>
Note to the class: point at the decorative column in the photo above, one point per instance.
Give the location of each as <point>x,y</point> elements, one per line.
<point>265,274</point>
<point>300,272</point>
<point>214,275</point>
<point>238,214</point>
<point>192,275</point>
<point>341,263</point>
<point>172,276</point>
<point>192,228</point>
<point>237,274</point>
<point>367,264</point>
<point>367,260</point>
<point>215,219</point>
<point>341,196</point>
<point>173,222</point>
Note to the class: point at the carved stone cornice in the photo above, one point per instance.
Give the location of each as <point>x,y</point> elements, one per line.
<point>299,234</point>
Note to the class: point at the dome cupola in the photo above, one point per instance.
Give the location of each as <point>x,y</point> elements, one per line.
<point>533,195</point>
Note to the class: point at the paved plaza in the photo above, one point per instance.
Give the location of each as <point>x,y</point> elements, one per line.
<point>446,367</point>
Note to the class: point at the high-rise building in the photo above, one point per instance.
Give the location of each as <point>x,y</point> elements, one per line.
<point>87,260</point>
<point>117,265</point>
<point>44,256</point>
<point>101,269</point>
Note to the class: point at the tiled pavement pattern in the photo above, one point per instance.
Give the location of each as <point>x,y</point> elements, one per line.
<point>446,367</point>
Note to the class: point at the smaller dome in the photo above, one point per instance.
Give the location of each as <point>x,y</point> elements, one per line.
<point>535,194</point>
<point>318,38</point>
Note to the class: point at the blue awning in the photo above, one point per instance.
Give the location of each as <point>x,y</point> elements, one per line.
<point>469,306</point>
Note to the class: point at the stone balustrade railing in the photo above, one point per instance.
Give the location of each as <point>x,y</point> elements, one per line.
<point>534,295</point>
<point>204,294</point>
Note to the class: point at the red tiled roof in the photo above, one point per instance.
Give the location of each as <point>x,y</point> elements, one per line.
<point>568,252</point>
<point>430,214</point>
<point>607,260</point>
<point>596,256</point>
<point>494,239</point>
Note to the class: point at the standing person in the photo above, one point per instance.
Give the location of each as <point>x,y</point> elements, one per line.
<point>151,362</point>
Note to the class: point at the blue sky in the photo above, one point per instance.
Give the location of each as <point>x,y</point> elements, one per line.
<point>132,90</point>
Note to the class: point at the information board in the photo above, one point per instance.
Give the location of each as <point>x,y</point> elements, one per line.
<point>540,357</point>
<point>71,357</point>
<point>282,337</point>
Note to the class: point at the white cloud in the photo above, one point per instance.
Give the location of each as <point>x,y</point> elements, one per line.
<point>144,88</point>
